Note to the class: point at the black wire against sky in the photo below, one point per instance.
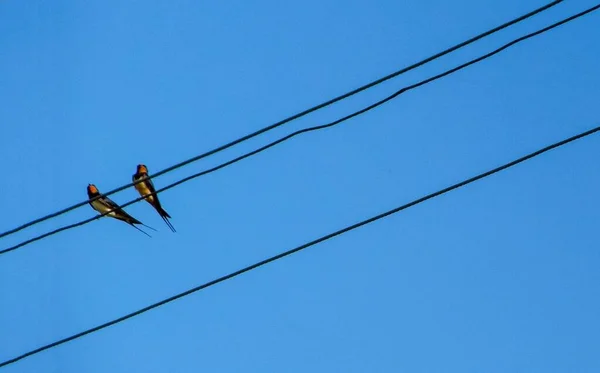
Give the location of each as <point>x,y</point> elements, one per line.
<point>316,128</point>
<point>293,117</point>
<point>302,247</point>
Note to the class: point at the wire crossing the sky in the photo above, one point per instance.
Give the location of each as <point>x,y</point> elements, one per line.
<point>316,128</point>
<point>294,117</point>
<point>302,247</point>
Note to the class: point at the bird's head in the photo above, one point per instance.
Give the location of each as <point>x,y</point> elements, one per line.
<point>142,169</point>
<point>92,190</point>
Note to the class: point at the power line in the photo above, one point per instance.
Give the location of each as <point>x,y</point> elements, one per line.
<point>316,128</point>
<point>302,247</point>
<point>293,117</point>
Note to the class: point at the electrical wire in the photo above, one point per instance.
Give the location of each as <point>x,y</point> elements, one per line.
<point>302,247</point>
<point>306,130</point>
<point>293,117</point>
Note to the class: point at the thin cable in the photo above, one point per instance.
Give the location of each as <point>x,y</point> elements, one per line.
<point>295,116</point>
<point>306,130</point>
<point>302,247</point>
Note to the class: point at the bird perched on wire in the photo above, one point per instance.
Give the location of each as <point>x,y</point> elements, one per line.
<point>146,190</point>
<point>105,204</point>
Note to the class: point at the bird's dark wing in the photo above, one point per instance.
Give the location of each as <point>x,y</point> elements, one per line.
<point>110,203</point>
<point>119,212</point>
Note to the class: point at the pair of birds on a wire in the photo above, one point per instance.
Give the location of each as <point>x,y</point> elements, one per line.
<point>145,188</point>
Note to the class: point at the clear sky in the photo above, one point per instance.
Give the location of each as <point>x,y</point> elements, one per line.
<point>501,276</point>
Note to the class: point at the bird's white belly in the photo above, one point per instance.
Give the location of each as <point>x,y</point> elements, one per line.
<point>102,208</point>
<point>144,191</point>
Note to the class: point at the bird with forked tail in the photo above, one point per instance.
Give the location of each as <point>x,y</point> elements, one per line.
<point>106,205</point>
<point>146,189</point>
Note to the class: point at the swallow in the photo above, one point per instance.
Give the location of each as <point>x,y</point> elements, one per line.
<point>146,190</point>
<point>105,204</point>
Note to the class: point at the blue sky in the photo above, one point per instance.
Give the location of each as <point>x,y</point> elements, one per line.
<point>499,276</point>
